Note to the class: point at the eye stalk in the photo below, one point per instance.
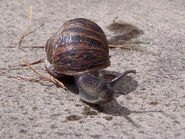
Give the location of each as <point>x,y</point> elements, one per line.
<point>118,78</point>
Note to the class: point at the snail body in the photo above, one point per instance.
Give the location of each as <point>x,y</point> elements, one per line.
<point>80,49</point>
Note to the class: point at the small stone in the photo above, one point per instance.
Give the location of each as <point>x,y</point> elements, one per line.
<point>23,131</point>
<point>108,118</point>
<point>154,103</point>
<point>73,118</point>
<point>87,111</point>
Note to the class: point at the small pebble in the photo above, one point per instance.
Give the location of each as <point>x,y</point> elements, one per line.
<point>73,118</point>
<point>108,118</point>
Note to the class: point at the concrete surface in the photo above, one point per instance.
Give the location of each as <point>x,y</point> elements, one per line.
<point>150,104</point>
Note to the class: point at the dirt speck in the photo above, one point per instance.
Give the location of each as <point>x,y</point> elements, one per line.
<point>74,118</point>
<point>108,118</point>
<point>87,111</point>
<point>154,103</point>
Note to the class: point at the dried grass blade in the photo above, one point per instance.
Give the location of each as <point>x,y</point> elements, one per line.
<point>27,30</point>
<point>25,79</point>
<point>33,63</point>
<point>54,80</point>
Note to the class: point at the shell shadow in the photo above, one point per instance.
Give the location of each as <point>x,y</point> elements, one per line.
<point>123,32</point>
<point>69,83</point>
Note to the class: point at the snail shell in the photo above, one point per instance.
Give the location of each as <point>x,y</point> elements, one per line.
<point>79,46</point>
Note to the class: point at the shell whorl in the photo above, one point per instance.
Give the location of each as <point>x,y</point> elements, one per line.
<point>79,46</point>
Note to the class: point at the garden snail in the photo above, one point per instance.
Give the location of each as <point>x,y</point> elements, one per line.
<point>80,49</point>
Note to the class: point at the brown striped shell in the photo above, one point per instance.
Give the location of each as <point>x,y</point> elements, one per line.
<point>79,46</point>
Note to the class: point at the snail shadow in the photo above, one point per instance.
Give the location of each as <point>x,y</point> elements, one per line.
<point>115,109</point>
<point>123,32</point>
<point>124,86</point>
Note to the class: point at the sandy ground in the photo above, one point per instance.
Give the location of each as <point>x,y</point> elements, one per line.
<point>150,104</point>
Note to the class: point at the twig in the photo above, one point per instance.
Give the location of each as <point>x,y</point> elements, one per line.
<point>128,45</point>
<point>33,63</point>
<point>120,46</point>
<point>26,32</point>
<point>137,42</point>
<point>133,47</point>
<point>22,65</point>
<point>34,71</point>
<point>34,29</point>
<point>25,79</point>
<point>45,78</point>
<point>56,81</point>
<point>114,20</point>
<point>16,68</point>
<point>25,46</point>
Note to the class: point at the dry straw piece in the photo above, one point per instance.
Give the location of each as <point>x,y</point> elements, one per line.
<point>27,30</point>
<point>51,79</point>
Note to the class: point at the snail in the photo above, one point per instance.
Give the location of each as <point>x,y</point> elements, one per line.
<point>80,49</point>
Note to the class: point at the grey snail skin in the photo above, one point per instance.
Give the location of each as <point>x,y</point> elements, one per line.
<point>80,49</point>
